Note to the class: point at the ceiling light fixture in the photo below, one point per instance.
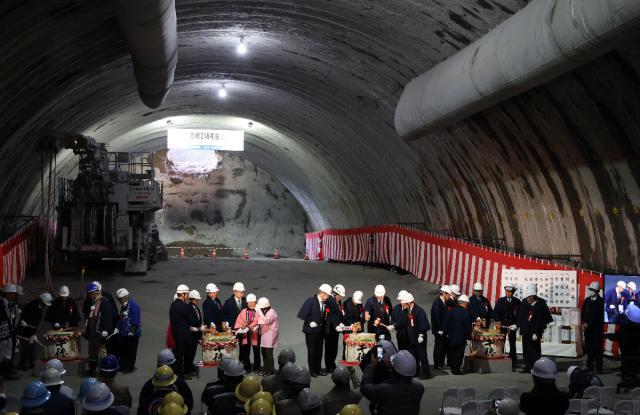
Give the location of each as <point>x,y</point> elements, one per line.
<point>222,92</point>
<point>242,48</point>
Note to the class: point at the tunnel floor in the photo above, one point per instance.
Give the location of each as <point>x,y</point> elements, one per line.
<point>287,283</point>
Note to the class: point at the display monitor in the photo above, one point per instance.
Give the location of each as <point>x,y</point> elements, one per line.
<point>620,291</point>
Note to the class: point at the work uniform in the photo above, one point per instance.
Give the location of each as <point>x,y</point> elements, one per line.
<point>232,308</point>
<point>506,312</point>
<point>179,313</point>
<point>102,319</point>
<point>212,313</point>
<point>28,326</point>
<point>396,395</point>
<point>130,328</point>
<point>87,303</point>
<point>544,398</point>
<point>335,317</point>
<point>382,310</point>
<point>399,321</point>
<point>195,320</point>
<point>532,320</point>
<point>592,316</point>
<point>313,310</point>
<point>438,315</point>
<point>417,325</point>
<point>63,313</point>
<point>479,307</point>
<point>457,329</point>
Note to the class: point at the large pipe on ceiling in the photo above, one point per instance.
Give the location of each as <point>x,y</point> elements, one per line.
<point>150,27</point>
<point>542,41</point>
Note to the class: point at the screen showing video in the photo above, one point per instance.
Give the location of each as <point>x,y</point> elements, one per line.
<point>620,291</point>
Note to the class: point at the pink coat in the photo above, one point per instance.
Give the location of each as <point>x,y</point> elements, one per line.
<point>253,325</point>
<point>269,323</point>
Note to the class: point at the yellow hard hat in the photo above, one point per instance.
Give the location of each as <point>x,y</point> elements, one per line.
<point>171,409</point>
<point>164,376</point>
<point>260,407</point>
<point>248,387</point>
<point>350,409</point>
<point>259,395</point>
<point>176,398</point>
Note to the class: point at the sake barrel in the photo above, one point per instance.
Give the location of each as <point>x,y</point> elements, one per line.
<point>357,345</point>
<point>61,344</point>
<point>215,345</point>
<point>487,344</point>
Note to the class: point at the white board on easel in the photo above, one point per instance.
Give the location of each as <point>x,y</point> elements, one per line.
<point>559,288</point>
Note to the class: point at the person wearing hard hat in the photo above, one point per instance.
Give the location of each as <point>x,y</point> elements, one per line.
<point>415,331</point>
<point>273,383</point>
<point>544,398</point>
<point>166,358</point>
<point>234,304</point>
<point>399,321</point>
<point>341,394</point>
<point>479,306</point>
<point>63,312</point>
<point>34,397</point>
<point>269,333</point>
<point>99,400</point>
<point>592,319</point>
<point>377,312</point>
<point>438,314</point>
<point>628,338</point>
<point>296,380</point>
<point>314,314</point>
<point>398,395</point>
<point>232,375</point>
<point>28,327</point>
<point>212,315</point>
<point>173,403</point>
<point>57,365</point>
<point>350,410</point>
<point>130,330</point>
<point>260,404</point>
<point>579,380</point>
<point>457,329</point>
<point>109,367</point>
<point>59,403</point>
<point>533,318</point>
<point>309,403</point>
<point>101,327</point>
<point>615,302</point>
<point>7,333</point>
<point>195,327</point>
<point>455,294</point>
<point>504,314</point>
<point>631,294</point>
<point>354,321</point>
<point>508,406</point>
<point>179,320</point>
<point>248,332</point>
<point>88,301</point>
<point>164,381</point>
<point>335,325</point>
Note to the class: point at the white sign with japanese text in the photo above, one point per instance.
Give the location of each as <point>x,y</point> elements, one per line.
<point>557,288</point>
<point>221,140</point>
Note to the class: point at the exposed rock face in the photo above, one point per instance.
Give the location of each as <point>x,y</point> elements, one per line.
<point>237,205</point>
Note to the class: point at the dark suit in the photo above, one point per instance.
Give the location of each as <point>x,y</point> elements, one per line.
<point>457,328</point>
<point>592,316</point>
<point>612,302</point>
<point>195,320</point>
<point>212,313</point>
<point>506,312</point>
<point>353,313</point>
<point>381,311</point>
<point>480,308</point>
<point>314,336</point>
<point>532,319</point>
<point>416,324</point>
<point>335,317</point>
<point>438,315</point>
<point>399,321</point>
<point>63,312</point>
<point>230,310</point>
<point>179,317</point>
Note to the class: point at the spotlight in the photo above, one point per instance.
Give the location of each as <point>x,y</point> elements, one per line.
<point>222,92</point>
<point>242,48</point>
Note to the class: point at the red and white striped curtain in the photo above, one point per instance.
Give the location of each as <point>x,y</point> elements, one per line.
<point>16,255</point>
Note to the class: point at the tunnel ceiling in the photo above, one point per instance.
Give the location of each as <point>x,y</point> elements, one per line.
<point>321,77</point>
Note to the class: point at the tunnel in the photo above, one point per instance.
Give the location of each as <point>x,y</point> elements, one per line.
<point>511,125</point>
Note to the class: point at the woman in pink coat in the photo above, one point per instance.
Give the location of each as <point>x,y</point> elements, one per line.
<point>268,321</point>
<point>248,333</point>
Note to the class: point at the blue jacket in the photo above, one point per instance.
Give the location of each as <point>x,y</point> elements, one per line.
<point>130,323</point>
<point>458,326</point>
<point>438,314</point>
<point>212,313</point>
<point>230,310</point>
<point>480,307</point>
<point>416,323</point>
<point>310,311</point>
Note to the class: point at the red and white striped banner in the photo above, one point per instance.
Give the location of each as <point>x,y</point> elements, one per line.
<point>16,255</point>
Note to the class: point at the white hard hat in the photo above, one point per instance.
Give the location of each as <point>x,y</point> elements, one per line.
<point>97,284</point>
<point>407,298</point>
<point>251,298</point>
<point>325,288</point>
<point>195,294</point>
<point>595,286</point>
<point>509,286</point>
<point>401,294</point>
<point>631,285</point>
<point>63,291</point>
<point>357,297</point>
<point>10,288</point>
<point>263,302</point>
<point>571,370</point>
<point>508,407</point>
<point>445,289</point>
<point>212,288</point>
<point>545,368</point>
<point>379,291</point>
<point>57,365</point>
<point>531,289</point>
<point>463,298</point>
<point>478,286</point>
<point>52,377</point>
<point>19,289</point>
<point>339,289</point>
<point>182,289</point>
<point>238,286</point>
<point>122,292</point>
<point>621,284</point>
<point>455,289</point>
<point>46,298</point>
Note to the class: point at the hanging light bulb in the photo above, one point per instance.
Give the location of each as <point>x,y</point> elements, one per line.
<point>242,48</point>
<point>222,92</point>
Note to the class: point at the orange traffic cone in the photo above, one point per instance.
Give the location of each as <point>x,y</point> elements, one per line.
<point>245,254</point>
<point>181,252</point>
<point>214,253</point>
<point>276,254</point>
<point>306,255</point>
